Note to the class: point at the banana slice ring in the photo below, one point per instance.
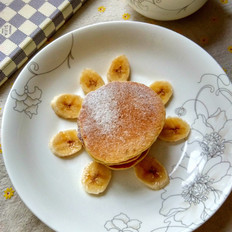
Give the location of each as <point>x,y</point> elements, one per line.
<point>152,173</point>
<point>163,89</point>
<point>119,69</point>
<point>67,105</point>
<point>95,178</point>
<point>175,129</point>
<point>65,143</point>
<point>90,80</point>
<point>96,175</point>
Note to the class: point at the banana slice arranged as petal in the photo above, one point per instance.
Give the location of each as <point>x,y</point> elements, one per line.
<point>119,69</point>
<point>174,129</point>
<point>67,105</point>
<point>152,173</point>
<point>90,80</point>
<point>65,143</point>
<point>163,89</point>
<point>95,178</point>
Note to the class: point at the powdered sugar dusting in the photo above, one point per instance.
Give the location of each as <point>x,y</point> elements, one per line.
<point>121,118</point>
<point>103,110</point>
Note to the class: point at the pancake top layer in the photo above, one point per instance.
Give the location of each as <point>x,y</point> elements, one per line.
<point>120,120</point>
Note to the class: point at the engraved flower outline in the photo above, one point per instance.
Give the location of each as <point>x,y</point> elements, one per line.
<point>195,194</point>
<point>210,136</point>
<point>27,102</point>
<point>199,184</point>
<point>122,223</point>
<point>28,99</point>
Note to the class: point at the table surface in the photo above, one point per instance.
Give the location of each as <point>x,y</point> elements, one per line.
<point>210,27</point>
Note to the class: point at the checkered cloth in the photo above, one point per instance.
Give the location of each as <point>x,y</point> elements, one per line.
<point>24,27</point>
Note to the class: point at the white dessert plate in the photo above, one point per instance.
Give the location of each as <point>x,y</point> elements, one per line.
<point>200,167</point>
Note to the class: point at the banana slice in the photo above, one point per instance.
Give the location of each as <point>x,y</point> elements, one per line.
<point>174,129</point>
<point>67,105</point>
<point>163,89</point>
<point>152,173</point>
<point>90,80</point>
<point>65,143</point>
<point>95,178</point>
<point>119,69</point>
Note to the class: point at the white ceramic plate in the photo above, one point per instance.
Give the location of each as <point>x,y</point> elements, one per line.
<point>200,168</point>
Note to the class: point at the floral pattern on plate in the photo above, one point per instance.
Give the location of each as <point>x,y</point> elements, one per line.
<point>122,223</point>
<point>195,189</point>
<point>28,99</point>
<point>199,181</point>
<point>196,185</point>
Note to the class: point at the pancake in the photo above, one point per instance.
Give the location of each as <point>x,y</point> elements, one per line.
<point>119,121</point>
<point>129,164</point>
<point>120,163</point>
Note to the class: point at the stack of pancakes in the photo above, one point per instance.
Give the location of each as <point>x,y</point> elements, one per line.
<point>119,122</point>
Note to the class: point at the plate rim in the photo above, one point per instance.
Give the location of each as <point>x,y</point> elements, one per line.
<point>21,76</point>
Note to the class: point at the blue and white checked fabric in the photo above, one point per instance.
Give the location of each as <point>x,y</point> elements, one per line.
<point>25,25</point>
